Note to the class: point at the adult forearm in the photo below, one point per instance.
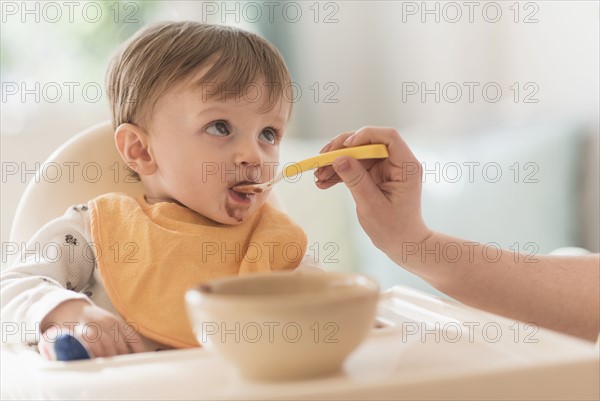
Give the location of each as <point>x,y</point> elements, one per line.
<point>561,293</point>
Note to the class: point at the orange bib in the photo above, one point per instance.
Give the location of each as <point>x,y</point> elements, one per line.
<point>150,255</point>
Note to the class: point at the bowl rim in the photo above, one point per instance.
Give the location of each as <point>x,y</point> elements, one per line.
<point>367,287</point>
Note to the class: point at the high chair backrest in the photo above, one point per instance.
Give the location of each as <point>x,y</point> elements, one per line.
<point>85,166</point>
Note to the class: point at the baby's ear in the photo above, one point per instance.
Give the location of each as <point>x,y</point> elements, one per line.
<point>132,143</point>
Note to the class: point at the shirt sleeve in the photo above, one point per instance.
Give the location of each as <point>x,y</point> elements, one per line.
<point>55,266</point>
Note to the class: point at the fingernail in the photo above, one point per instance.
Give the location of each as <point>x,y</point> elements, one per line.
<point>328,176</point>
<point>342,165</point>
<point>349,141</point>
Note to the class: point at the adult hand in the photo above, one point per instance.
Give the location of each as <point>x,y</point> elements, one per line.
<point>557,292</point>
<point>387,191</point>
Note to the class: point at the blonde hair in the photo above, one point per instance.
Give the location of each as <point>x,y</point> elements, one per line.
<point>162,55</point>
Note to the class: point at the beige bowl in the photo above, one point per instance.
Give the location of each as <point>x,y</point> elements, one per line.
<point>284,325</point>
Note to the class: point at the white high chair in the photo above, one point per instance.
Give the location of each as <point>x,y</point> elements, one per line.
<point>85,166</point>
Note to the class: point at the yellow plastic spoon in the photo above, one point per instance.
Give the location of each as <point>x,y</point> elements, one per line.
<point>375,151</point>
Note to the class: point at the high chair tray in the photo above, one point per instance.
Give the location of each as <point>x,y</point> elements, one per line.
<point>428,348</point>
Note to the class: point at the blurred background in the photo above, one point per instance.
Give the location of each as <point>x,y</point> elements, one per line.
<point>499,100</point>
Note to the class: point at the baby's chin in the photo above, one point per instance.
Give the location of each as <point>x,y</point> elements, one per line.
<point>230,211</point>
<point>231,215</point>
<point>236,214</point>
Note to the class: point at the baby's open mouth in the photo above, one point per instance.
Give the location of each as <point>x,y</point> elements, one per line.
<point>241,196</point>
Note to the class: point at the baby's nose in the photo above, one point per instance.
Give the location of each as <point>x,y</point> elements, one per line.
<point>248,155</point>
<point>250,171</point>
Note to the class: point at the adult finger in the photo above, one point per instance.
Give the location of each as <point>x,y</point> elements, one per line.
<point>358,180</point>
<point>327,177</point>
<point>328,183</point>
<point>324,173</point>
<point>397,148</point>
<point>336,142</point>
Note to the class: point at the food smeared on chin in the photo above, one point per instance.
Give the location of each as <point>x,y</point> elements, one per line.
<point>238,203</point>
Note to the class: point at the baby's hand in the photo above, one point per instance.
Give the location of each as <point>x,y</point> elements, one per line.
<point>101,332</point>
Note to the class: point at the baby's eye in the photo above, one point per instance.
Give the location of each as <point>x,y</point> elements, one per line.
<point>268,135</point>
<point>218,128</point>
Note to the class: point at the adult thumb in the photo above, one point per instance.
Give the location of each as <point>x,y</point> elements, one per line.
<point>357,179</point>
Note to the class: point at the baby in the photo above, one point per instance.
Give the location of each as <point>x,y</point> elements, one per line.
<point>197,109</point>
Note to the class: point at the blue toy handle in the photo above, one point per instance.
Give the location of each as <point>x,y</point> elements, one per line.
<point>68,348</point>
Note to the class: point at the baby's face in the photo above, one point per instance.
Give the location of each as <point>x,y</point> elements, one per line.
<point>204,147</point>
